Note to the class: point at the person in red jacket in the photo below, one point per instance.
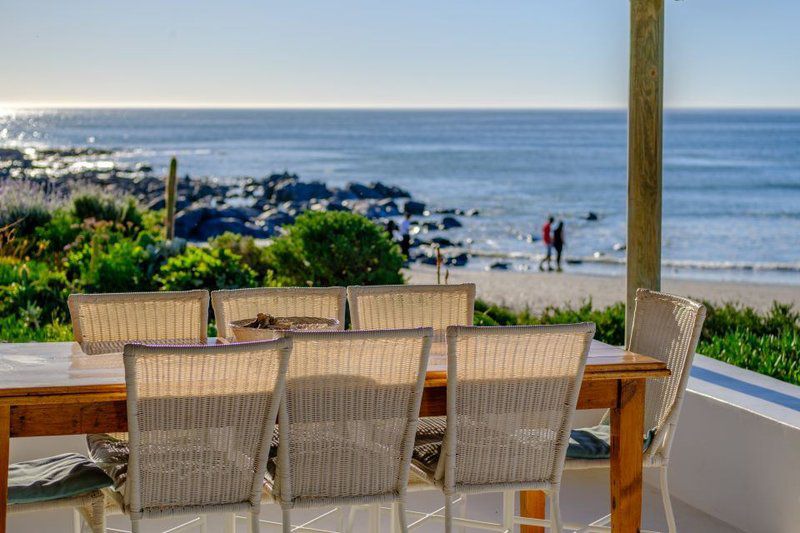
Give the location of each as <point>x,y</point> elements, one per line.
<point>547,239</point>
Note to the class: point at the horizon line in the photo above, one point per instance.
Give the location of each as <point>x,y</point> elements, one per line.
<point>9,106</point>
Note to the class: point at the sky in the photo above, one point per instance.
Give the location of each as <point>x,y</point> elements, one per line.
<point>415,53</point>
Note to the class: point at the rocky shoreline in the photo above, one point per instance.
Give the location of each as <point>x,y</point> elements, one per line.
<point>256,207</point>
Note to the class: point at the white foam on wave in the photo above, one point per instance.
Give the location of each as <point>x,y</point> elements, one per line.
<point>773,266</point>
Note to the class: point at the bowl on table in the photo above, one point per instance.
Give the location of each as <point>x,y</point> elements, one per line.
<point>267,327</point>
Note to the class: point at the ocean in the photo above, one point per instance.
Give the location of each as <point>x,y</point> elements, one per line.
<point>731,178</point>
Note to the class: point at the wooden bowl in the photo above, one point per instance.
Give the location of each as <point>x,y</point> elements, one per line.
<point>242,333</point>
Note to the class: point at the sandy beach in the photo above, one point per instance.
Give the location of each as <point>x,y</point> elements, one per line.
<point>536,290</point>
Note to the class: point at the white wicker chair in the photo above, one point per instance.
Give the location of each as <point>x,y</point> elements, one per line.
<point>511,395</point>
<point>324,302</point>
<point>413,306</point>
<point>201,421</point>
<point>668,328</point>
<point>348,423</point>
<point>104,323</point>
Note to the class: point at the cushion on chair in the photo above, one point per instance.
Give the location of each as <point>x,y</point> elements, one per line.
<point>595,442</point>
<point>430,429</point>
<point>53,478</point>
<point>428,443</point>
<point>110,453</point>
<point>426,456</point>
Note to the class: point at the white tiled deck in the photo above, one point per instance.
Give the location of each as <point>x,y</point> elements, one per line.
<point>584,497</point>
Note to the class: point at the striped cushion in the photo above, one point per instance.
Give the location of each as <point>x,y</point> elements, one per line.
<point>595,442</point>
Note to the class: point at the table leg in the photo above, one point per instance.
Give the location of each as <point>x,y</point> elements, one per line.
<point>531,505</point>
<point>627,430</point>
<point>5,437</point>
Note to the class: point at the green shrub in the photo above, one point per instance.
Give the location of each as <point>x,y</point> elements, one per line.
<point>58,233</point>
<point>99,206</point>
<point>15,329</point>
<point>200,268</point>
<point>245,247</point>
<point>32,291</point>
<point>24,206</point>
<point>118,267</point>
<point>768,343</point>
<point>8,270</point>
<point>776,355</point>
<point>610,321</point>
<point>334,248</point>
<point>764,342</point>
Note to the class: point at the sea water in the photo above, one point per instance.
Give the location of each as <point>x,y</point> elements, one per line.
<point>731,185</point>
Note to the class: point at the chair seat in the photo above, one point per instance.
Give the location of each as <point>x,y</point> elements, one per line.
<point>111,453</point>
<point>594,443</point>
<point>54,478</point>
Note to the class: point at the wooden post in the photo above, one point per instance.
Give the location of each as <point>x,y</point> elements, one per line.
<point>170,198</point>
<point>645,117</point>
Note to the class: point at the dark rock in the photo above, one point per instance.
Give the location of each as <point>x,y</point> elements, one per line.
<point>364,191</point>
<point>242,212</point>
<point>154,205</point>
<point>342,195</point>
<point>591,215</point>
<point>449,223</point>
<point>217,226</point>
<point>414,208</point>
<point>426,259</point>
<point>499,265</point>
<point>11,154</point>
<point>187,221</point>
<point>373,210</point>
<point>389,191</point>
<point>182,203</point>
<point>291,190</point>
<point>457,260</point>
<point>328,205</point>
<point>274,218</point>
<point>442,242</point>
<point>429,226</point>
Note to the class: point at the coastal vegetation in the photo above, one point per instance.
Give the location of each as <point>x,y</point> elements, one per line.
<point>765,342</point>
<point>89,241</point>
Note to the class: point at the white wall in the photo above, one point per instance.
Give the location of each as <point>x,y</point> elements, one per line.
<point>736,455</point>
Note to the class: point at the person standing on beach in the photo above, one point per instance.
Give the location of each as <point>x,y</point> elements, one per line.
<point>391,228</point>
<point>558,242</point>
<point>547,239</point>
<point>405,235</point>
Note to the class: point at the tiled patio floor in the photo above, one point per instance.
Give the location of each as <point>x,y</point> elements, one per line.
<point>584,497</point>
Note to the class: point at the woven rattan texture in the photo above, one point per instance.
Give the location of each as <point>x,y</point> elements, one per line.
<point>104,323</point>
<point>512,392</point>
<point>413,306</point>
<point>352,401</point>
<point>201,422</point>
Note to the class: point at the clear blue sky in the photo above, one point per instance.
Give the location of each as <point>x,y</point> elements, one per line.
<point>415,53</point>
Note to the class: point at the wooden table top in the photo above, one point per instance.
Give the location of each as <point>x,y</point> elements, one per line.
<point>28,369</point>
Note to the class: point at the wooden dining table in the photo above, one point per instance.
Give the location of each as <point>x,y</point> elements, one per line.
<point>52,389</point>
